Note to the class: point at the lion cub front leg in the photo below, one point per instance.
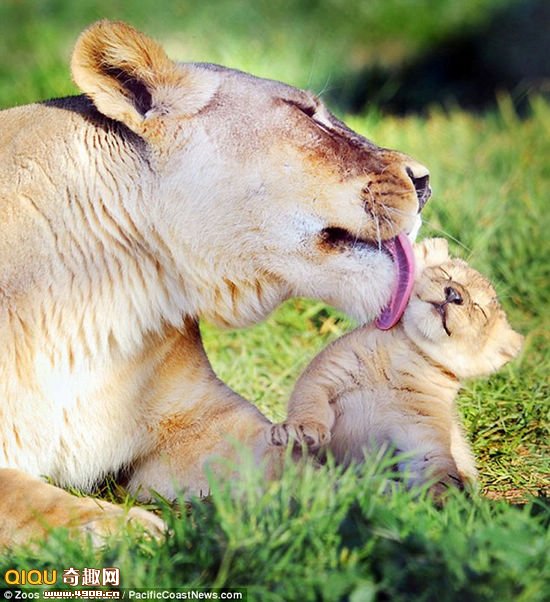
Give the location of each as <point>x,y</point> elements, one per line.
<point>311,409</point>
<point>311,413</point>
<point>309,421</point>
<point>29,508</point>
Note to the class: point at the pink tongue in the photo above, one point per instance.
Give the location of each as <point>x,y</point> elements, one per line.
<point>401,250</point>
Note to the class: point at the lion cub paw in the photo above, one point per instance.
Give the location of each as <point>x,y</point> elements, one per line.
<point>445,482</point>
<point>313,435</point>
<point>444,478</point>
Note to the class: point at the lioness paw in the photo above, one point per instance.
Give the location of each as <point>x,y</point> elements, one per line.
<point>113,520</point>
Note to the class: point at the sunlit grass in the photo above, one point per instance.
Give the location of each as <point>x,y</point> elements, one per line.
<point>308,44</point>
<point>327,535</point>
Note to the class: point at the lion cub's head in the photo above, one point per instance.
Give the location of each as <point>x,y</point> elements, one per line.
<point>258,191</point>
<point>454,314</point>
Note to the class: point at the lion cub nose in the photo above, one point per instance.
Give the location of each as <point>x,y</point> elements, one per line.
<point>420,177</point>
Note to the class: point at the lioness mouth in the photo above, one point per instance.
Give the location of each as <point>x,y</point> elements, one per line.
<point>401,251</point>
<point>339,237</point>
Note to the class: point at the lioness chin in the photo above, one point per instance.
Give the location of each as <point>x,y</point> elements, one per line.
<point>166,193</point>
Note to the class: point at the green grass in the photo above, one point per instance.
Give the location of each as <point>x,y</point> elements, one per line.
<point>303,42</point>
<point>330,534</point>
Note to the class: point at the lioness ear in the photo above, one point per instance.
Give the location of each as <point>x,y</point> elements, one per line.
<point>430,252</point>
<point>129,77</point>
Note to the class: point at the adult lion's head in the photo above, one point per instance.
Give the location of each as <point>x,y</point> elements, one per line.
<point>251,190</point>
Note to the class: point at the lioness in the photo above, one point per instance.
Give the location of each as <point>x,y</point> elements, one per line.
<point>165,193</point>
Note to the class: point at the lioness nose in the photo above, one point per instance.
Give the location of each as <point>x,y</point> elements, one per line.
<point>420,177</point>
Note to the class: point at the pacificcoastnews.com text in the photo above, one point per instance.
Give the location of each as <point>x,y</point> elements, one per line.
<point>125,594</point>
<point>185,595</point>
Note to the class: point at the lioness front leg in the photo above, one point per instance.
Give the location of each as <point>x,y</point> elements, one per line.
<point>195,421</point>
<point>29,508</point>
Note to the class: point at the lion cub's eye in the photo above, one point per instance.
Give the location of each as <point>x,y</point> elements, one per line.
<point>479,308</point>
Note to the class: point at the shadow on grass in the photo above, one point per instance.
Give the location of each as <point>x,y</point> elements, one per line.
<point>509,54</point>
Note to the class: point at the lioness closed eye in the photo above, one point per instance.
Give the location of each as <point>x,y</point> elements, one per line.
<point>165,193</point>
<point>371,388</point>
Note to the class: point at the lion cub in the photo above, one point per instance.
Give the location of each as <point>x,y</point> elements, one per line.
<point>396,388</point>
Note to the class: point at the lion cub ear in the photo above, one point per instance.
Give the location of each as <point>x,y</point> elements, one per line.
<point>430,252</point>
<point>130,79</point>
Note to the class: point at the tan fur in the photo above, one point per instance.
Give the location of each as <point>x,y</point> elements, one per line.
<point>36,507</point>
<point>371,389</point>
<point>168,192</point>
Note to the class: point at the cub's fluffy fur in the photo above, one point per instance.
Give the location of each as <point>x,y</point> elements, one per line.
<point>397,388</point>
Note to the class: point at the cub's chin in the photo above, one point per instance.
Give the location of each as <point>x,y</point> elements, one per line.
<point>422,322</point>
